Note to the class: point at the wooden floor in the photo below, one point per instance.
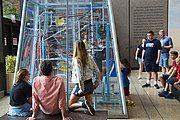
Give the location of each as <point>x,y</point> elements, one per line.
<point>149,106</point>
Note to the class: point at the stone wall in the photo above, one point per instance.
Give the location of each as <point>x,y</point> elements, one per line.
<point>174,23</point>
<point>133,19</point>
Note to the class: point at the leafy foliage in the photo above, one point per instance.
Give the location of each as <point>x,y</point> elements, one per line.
<point>10,63</point>
<point>11,7</point>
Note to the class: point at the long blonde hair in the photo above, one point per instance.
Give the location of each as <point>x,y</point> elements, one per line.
<point>21,74</point>
<point>80,53</point>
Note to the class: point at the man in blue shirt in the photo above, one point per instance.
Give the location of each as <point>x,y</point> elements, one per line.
<point>151,57</point>
<point>166,44</point>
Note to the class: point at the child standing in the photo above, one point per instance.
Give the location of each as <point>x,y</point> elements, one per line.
<point>126,70</point>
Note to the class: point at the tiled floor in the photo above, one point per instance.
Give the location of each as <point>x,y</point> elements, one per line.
<point>149,106</point>
<point>4,105</point>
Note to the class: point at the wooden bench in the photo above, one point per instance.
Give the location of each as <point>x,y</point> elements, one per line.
<point>79,115</point>
<point>177,86</point>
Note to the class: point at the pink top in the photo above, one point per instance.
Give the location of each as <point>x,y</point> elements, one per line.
<point>48,94</point>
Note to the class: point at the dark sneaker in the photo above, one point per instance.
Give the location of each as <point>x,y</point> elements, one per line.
<point>90,108</point>
<point>169,96</point>
<point>70,109</point>
<point>160,91</point>
<point>146,85</point>
<point>163,94</point>
<point>156,86</point>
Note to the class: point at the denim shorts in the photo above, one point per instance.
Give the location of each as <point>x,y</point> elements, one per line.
<point>151,67</point>
<point>21,111</point>
<point>88,88</point>
<point>164,60</point>
<point>165,76</point>
<point>172,80</point>
<point>139,60</point>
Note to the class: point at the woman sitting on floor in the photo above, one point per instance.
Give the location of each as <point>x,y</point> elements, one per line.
<point>21,95</point>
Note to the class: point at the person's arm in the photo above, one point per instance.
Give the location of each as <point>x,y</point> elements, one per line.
<point>35,101</point>
<point>170,44</point>
<point>178,82</point>
<point>29,100</point>
<point>158,57</point>
<point>159,51</point>
<point>79,73</point>
<point>62,101</point>
<point>173,72</point>
<point>143,55</point>
<point>137,50</point>
<point>168,47</point>
<point>95,67</point>
<point>170,71</point>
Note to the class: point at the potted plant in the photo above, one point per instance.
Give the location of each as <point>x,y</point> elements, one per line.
<point>10,68</point>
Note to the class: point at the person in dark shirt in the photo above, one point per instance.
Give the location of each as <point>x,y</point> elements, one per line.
<point>21,95</point>
<point>138,57</point>
<point>151,57</point>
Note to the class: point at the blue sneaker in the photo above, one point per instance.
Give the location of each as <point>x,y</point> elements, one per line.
<point>163,94</point>
<point>169,96</point>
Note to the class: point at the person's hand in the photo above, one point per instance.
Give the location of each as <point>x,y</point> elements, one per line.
<point>67,118</point>
<point>96,84</point>
<point>142,60</point>
<point>80,92</point>
<point>136,58</point>
<point>31,118</point>
<point>157,61</point>
<point>176,83</point>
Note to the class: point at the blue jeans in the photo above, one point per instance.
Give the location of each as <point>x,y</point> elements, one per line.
<point>21,111</point>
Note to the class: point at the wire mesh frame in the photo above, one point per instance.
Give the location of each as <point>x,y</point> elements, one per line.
<point>67,43</point>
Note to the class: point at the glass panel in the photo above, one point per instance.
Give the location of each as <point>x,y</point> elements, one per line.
<point>48,33</point>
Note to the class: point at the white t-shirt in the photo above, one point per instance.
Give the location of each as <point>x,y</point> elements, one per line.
<point>79,74</point>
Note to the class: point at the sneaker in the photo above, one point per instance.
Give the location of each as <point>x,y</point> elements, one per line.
<point>169,96</point>
<point>163,94</point>
<point>160,91</point>
<point>90,108</point>
<point>139,77</point>
<point>130,103</point>
<point>146,85</point>
<point>156,86</point>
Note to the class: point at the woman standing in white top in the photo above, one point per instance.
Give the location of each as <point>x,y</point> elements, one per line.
<point>138,57</point>
<point>82,74</point>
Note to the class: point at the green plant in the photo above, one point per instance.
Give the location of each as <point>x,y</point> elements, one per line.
<point>10,63</point>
